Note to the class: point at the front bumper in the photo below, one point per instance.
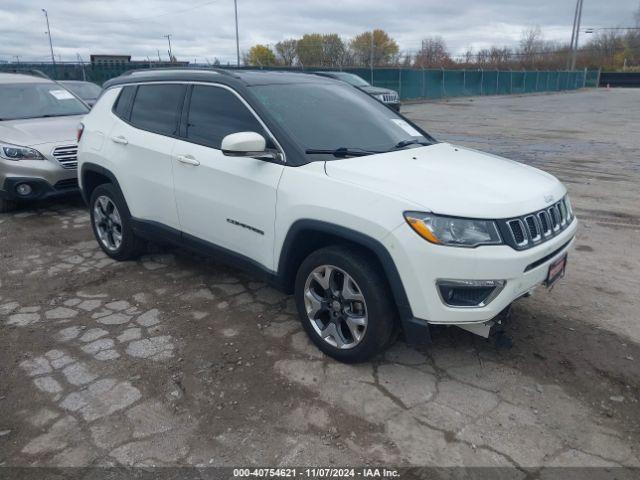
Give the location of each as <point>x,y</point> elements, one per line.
<point>47,177</point>
<point>394,105</point>
<point>40,188</point>
<point>421,264</point>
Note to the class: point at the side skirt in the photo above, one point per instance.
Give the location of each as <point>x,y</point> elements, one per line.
<point>157,232</point>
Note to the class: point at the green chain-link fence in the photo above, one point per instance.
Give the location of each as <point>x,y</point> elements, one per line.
<point>409,83</point>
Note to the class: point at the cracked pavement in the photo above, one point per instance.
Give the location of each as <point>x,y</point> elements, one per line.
<point>178,360</point>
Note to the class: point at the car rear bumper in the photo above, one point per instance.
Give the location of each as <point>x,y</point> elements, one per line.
<point>422,265</point>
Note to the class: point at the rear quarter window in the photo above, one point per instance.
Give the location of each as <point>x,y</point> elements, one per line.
<point>122,107</point>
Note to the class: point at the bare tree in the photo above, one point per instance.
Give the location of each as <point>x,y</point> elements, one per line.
<point>531,44</point>
<point>432,54</point>
<point>286,52</point>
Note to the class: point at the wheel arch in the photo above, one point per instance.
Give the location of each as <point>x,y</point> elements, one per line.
<point>306,236</point>
<point>91,176</point>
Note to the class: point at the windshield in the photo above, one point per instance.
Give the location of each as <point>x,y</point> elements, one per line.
<point>34,100</point>
<point>85,90</point>
<point>321,116</point>
<point>352,79</point>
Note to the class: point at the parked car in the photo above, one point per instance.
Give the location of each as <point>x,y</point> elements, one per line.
<point>385,95</point>
<point>87,91</point>
<point>38,151</point>
<point>370,222</point>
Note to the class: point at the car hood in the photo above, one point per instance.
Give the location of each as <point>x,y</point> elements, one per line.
<point>451,180</point>
<point>376,90</point>
<point>35,131</point>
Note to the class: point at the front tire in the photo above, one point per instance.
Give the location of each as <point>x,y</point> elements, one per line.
<point>344,304</point>
<point>111,223</point>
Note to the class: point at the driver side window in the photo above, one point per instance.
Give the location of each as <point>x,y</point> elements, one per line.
<point>214,113</point>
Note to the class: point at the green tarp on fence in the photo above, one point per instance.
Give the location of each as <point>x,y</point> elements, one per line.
<point>409,83</point>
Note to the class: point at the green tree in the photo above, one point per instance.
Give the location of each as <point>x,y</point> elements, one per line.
<point>385,48</point>
<point>317,50</point>
<point>261,56</point>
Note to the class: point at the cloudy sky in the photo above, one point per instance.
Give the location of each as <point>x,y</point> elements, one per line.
<point>205,29</point>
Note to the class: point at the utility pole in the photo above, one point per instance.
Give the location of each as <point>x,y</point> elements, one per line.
<point>575,34</point>
<point>168,37</point>
<point>235,5</point>
<point>53,59</point>
<point>371,57</point>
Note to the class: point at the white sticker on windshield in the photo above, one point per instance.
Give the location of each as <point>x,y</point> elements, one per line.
<point>61,94</point>
<point>406,127</point>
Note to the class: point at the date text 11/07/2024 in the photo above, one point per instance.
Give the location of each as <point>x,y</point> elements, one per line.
<point>315,472</point>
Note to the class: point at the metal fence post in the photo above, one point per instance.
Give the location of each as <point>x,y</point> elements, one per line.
<point>546,88</point>
<point>598,80</point>
<point>443,89</point>
<point>400,82</point>
<point>464,81</point>
<point>424,84</point>
<point>537,78</point>
<point>481,81</point>
<point>497,82</point>
<point>510,81</point>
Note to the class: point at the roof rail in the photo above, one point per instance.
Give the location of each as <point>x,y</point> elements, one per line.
<point>26,71</point>
<point>222,71</point>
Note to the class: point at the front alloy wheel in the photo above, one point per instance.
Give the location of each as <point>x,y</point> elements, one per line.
<point>335,307</point>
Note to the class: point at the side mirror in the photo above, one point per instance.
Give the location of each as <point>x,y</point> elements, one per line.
<point>247,144</point>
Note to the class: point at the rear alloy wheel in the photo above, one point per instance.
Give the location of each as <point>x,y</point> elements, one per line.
<point>344,303</point>
<point>107,223</point>
<point>111,224</point>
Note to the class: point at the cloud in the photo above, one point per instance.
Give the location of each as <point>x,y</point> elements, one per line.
<point>205,29</point>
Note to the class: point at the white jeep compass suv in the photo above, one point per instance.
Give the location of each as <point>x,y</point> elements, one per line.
<point>372,224</point>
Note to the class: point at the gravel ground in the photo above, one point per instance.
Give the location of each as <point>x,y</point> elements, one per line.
<point>178,360</point>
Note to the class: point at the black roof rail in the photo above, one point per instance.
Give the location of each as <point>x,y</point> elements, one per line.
<point>26,71</point>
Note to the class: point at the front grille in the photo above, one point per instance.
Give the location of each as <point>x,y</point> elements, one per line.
<point>534,228</point>
<point>389,97</point>
<point>67,156</point>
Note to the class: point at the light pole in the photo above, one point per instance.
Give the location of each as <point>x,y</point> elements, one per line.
<point>235,5</point>
<point>53,59</point>
<point>371,57</point>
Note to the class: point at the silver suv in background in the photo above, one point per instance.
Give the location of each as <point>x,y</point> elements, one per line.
<point>38,147</point>
<point>87,91</point>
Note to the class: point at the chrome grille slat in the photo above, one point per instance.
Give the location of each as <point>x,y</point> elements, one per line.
<point>537,227</point>
<point>67,156</point>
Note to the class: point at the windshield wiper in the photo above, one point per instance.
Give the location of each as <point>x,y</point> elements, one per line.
<point>342,152</point>
<point>406,143</point>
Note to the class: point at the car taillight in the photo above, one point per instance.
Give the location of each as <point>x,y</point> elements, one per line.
<point>80,131</point>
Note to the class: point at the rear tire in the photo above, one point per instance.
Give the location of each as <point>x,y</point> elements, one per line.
<point>345,304</point>
<point>111,223</point>
<point>7,205</point>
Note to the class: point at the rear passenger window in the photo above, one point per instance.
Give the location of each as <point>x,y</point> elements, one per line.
<point>156,108</point>
<point>123,103</point>
<point>214,113</point>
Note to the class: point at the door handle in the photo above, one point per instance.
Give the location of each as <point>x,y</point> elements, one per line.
<point>188,160</point>
<point>120,139</point>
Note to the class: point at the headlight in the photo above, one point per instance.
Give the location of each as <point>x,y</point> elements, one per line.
<point>567,205</point>
<point>16,152</point>
<point>380,97</point>
<point>457,232</point>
